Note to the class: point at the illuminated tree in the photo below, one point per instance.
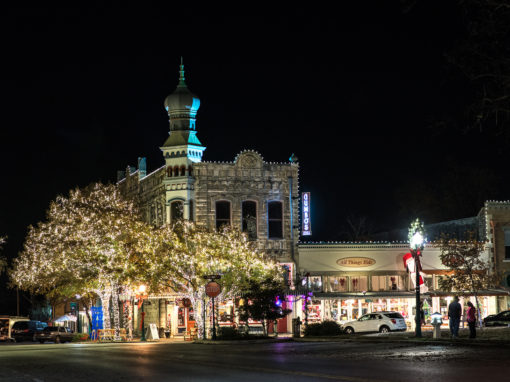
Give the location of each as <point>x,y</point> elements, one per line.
<point>469,271</point>
<point>84,246</point>
<point>187,252</point>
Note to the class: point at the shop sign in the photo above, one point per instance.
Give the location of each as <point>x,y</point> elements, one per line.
<point>355,262</point>
<point>212,289</point>
<point>307,223</point>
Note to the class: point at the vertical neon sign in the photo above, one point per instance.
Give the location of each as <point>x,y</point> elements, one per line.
<point>307,223</point>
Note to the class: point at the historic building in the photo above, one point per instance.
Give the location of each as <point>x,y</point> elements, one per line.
<point>256,196</point>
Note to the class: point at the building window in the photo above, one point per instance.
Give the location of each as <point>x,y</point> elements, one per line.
<point>337,284</point>
<point>222,214</point>
<point>315,283</point>
<point>359,283</point>
<point>176,211</point>
<point>507,244</point>
<point>378,283</point>
<point>274,220</point>
<point>169,172</point>
<point>249,219</point>
<point>183,170</point>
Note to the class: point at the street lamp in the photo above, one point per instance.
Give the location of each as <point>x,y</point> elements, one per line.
<point>142,289</point>
<point>416,242</point>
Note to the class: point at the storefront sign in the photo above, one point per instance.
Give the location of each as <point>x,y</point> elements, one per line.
<point>212,289</point>
<point>355,262</point>
<point>307,223</point>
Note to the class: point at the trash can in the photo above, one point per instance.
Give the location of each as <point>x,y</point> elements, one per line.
<point>296,327</point>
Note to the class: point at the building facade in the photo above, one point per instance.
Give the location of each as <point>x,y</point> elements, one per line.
<point>254,195</point>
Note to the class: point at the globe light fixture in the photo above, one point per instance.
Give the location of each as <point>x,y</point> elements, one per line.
<point>416,243</point>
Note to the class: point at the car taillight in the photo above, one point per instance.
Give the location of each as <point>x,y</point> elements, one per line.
<point>393,320</point>
<point>26,331</point>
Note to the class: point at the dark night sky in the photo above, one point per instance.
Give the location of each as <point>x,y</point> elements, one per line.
<point>350,91</point>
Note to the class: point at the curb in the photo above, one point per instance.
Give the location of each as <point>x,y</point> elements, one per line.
<point>240,342</point>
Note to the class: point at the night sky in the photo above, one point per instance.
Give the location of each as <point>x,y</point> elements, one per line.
<point>352,92</point>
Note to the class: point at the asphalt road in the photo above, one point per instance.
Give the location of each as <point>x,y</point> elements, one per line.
<point>285,361</point>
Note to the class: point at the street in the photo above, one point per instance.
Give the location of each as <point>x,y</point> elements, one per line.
<point>283,361</point>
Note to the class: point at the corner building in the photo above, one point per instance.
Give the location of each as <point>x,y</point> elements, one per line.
<point>256,196</point>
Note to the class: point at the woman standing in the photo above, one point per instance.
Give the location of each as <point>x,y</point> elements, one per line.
<point>471,320</point>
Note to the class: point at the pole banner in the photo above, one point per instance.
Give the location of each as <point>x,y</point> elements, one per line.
<point>411,268</point>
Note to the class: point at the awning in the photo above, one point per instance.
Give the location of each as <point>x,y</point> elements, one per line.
<point>65,318</point>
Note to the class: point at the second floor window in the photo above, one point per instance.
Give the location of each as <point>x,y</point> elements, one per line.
<point>275,220</point>
<point>249,221</point>
<point>222,214</point>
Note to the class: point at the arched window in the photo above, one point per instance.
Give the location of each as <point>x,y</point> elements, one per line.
<point>169,172</point>
<point>190,170</point>
<point>275,220</point>
<point>183,170</point>
<point>176,170</point>
<point>222,213</point>
<point>176,210</point>
<point>249,218</point>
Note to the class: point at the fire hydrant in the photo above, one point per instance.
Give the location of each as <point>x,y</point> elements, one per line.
<point>437,320</point>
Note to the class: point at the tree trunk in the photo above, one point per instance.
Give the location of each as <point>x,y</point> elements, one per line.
<point>116,313</point>
<point>105,305</point>
<point>199,322</point>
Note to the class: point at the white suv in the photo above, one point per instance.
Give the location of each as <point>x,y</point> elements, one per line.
<point>382,322</point>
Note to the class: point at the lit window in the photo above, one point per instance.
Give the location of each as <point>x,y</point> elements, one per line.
<point>274,220</point>
<point>222,214</point>
<point>249,220</point>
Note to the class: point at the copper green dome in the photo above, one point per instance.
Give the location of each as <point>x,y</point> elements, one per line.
<point>182,105</point>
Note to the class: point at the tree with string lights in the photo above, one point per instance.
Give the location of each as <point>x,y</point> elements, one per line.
<point>187,252</point>
<point>84,246</point>
<point>470,273</point>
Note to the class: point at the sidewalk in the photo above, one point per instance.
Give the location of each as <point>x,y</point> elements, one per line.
<point>485,336</point>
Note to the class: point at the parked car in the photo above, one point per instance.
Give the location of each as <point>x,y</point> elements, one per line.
<point>500,319</point>
<point>26,330</point>
<point>55,334</point>
<point>6,323</point>
<point>382,322</point>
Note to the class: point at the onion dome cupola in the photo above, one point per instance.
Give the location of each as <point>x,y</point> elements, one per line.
<point>182,107</point>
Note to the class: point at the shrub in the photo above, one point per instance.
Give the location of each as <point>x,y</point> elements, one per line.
<point>228,333</point>
<point>80,337</point>
<point>325,328</point>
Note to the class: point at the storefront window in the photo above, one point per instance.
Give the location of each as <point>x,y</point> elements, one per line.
<point>315,283</point>
<point>359,283</point>
<point>337,284</point>
<point>378,283</point>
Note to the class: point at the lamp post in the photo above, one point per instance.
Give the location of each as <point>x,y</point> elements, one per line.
<point>142,289</point>
<point>416,242</point>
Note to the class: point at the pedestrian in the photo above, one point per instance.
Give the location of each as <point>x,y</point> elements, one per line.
<point>454,313</point>
<point>471,319</point>
<point>422,314</point>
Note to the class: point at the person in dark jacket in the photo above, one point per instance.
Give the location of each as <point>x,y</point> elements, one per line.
<point>454,313</point>
<point>471,319</point>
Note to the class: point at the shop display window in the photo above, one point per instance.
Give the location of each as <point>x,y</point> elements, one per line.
<point>359,283</point>
<point>337,284</point>
<point>315,283</point>
<point>378,283</point>
<point>314,311</point>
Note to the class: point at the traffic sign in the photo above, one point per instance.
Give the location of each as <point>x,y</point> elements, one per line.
<point>212,289</point>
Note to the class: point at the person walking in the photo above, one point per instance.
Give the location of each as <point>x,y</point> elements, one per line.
<point>471,319</point>
<point>454,313</point>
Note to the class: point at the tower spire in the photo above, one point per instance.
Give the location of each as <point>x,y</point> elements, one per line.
<point>182,83</point>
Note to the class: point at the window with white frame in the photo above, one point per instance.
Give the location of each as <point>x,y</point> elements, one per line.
<point>359,283</point>
<point>337,284</point>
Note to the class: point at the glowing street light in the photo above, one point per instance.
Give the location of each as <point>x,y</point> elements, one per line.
<point>416,242</point>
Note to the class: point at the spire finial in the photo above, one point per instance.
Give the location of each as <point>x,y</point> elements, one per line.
<point>181,74</point>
